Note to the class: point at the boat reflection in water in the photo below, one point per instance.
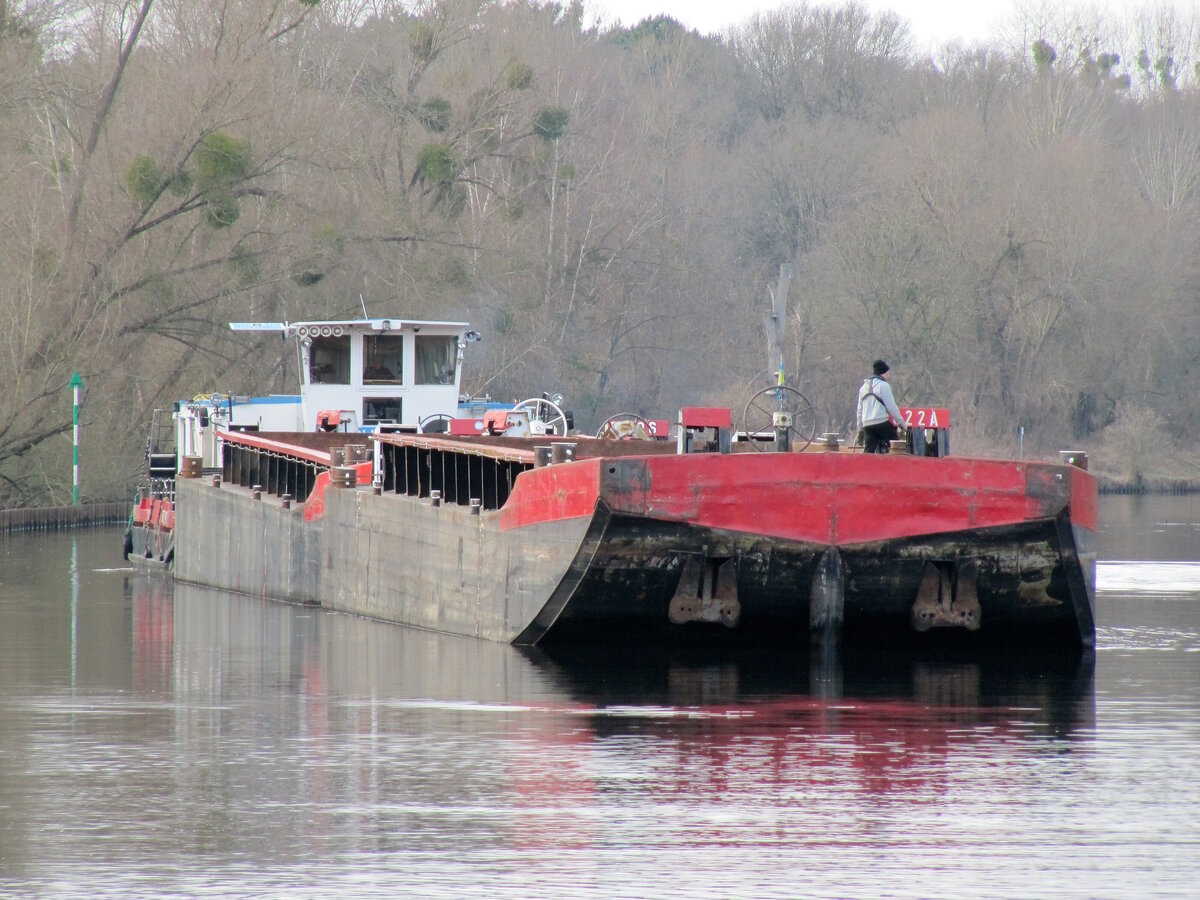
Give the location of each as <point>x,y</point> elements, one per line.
<point>881,721</point>
<point>387,738</point>
<point>913,701</point>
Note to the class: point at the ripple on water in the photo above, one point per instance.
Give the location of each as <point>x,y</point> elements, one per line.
<point>1129,577</point>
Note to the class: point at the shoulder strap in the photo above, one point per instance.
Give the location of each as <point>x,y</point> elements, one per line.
<point>871,393</point>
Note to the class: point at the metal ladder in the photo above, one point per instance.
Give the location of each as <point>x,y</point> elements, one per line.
<point>160,454</point>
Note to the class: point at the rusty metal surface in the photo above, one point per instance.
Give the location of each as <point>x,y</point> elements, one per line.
<point>492,446</point>
<point>522,448</point>
<point>707,592</point>
<point>1020,580</point>
<point>631,543</point>
<point>311,445</point>
<point>947,598</point>
<point>390,557</point>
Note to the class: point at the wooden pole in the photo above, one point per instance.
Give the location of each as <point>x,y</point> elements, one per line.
<point>776,324</point>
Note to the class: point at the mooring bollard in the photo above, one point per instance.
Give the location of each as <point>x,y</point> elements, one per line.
<point>832,441</point>
<point>256,492</point>
<point>435,498</point>
<point>343,476</point>
<point>476,506</point>
<point>216,482</point>
<point>287,501</point>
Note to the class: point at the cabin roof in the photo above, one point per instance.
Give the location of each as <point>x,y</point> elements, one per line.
<point>374,324</point>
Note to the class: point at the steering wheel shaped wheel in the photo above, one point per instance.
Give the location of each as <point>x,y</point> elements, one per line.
<point>786,405</point>
<point>624,427</point>
<point>438,423</point>
<point>544,416</point>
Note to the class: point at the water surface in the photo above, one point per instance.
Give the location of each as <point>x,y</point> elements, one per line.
<point>160,740</point>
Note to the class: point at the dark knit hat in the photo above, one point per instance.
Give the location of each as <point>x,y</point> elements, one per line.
<point>879,367</point>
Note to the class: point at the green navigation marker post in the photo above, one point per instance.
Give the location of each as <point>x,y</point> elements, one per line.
<point>76,385</point>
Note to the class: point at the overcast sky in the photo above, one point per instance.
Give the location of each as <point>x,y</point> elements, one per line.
<point>932,21</point>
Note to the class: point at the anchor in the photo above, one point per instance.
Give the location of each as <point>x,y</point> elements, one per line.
<point>948,597</point>
<point>707,592</point>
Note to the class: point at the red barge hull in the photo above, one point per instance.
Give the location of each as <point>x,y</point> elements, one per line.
<point>471,536</point>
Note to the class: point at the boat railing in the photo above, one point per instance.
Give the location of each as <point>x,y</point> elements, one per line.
<point>154,489</point>
<point>271,470</point>
<point>460,473</point>
<point>421,466</point>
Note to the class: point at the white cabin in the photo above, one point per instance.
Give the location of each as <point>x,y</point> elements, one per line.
<point>361,375</point>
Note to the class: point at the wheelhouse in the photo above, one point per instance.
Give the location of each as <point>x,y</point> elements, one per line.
<point>372,374</point>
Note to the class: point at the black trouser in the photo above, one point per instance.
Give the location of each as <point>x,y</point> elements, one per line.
<point>877,437</point>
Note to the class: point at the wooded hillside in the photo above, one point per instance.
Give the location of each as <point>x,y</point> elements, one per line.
<point>1014,227</point>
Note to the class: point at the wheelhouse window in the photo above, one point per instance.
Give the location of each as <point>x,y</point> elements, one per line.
<point>381,410</point>
<point>436,357</point>
<point>383,359</point>
<point>329,360</point>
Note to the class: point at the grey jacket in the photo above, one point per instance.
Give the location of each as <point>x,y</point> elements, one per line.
<point>876,403</point>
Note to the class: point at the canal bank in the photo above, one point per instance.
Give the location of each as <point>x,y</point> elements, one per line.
<point>56,518</point>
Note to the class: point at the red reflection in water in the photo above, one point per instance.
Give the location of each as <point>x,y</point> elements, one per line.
<point>154,634</point>
<point>683,735</point>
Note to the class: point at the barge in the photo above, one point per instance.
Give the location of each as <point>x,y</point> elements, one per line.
<point>395,498</point>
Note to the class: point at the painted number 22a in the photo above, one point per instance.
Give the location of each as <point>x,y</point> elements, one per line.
<point>925,417</point>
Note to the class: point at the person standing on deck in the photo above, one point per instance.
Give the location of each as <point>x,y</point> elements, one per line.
<point>878,413</point>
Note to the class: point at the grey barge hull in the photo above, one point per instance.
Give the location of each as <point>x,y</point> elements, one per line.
<point>608,545</point>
